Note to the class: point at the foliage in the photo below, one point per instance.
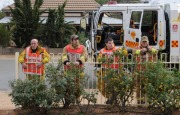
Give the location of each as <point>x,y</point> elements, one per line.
<point>25,21</point>
<point>31,94</point>
<point>57,30</point>
<point>119,83</point>
<point>102,1</point>
<point>67,85</point>
<point>56,79</point>
<point>162,87</point>
<point>91,98</point>
<point>82,37</point>
<point>5,36</point>
<point>119,87</point>
<point>2,15</point>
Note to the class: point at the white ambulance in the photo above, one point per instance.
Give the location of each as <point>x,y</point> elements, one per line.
<point>126,23</point>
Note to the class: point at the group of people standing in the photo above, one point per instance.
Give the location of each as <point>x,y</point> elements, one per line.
<point>34,56</point>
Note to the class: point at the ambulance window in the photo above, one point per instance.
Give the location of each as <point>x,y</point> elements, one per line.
<point>149,18</point>
<point>110,24</point>
<point>150,26</point>
<point>135,19</point>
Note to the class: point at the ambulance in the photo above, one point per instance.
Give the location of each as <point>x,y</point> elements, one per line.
<point>127,23</point>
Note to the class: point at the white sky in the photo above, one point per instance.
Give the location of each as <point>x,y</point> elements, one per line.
<point>4,3</point>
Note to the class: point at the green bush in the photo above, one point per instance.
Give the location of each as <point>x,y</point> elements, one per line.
<point>31,94</point>
<point>67,85</point>
<point>162,87</point>
<point>120,87</point>
<point>119,83</point>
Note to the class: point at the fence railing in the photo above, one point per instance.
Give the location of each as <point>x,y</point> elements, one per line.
<point>96,70</point>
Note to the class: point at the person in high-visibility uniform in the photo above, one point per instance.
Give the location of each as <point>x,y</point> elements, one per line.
<point>74,54</point>
<point>33,59</point>
<point>107,53</point>
<point>143,53</point>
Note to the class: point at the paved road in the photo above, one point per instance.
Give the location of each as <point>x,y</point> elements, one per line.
<point>7,72</point>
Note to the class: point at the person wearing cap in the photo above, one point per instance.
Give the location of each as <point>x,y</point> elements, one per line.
<point>143,53</point>
<point>33,59</point>
<point>73,57</point>
<point>144,50</point>
<point>74,52</point>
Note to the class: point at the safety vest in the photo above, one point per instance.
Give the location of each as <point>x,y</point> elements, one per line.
<point>74,55</point>
<point>109,54</point>
<point>32,59</point>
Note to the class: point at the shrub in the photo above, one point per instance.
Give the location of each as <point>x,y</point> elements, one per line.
<point>119,83</point>
<point>31,94</point>
<point>162,87</point>
<point>120,87</point>
<point>68,85</point>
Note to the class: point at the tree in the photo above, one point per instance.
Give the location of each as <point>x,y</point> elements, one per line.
<point>102,1</point>
<point>1,15</point>
<point>57,30</point>
<point>25,21</point>
<point>5,36</point>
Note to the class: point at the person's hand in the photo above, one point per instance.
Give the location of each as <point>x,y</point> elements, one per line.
<point>76,63</point>
<point>24,65</point>
<point>67,63</point>
<point>39,65</point>
<point>144,50</point>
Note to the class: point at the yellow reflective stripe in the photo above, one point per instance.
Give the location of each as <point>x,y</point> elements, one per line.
<point>137,52</point>
<point>82,58</point>
<point>45,60</point>
<point>64,57</point>
<point>153,51</point>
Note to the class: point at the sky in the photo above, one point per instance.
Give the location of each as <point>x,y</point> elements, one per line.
<point>4,3</point>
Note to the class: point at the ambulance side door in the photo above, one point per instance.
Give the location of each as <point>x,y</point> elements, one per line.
<point>132,30</point>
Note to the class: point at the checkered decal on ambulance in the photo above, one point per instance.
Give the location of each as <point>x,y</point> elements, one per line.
<point>131,44</point>
<point>161,43</point>
<point>174,43</point>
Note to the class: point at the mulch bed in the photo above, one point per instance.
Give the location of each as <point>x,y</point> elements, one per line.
<point>95,110</point>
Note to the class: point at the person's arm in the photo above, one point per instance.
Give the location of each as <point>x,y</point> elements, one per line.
<point>46,57</point>
<point>83,56</point>
<point>137,51</point>
<point>64,56</point>
<point>21,59</point>
<point>152,50</point>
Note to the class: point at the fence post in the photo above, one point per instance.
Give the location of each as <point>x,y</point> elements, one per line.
<point>16,65</point>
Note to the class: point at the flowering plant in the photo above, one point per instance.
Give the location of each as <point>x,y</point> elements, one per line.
<point>120,52</point>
